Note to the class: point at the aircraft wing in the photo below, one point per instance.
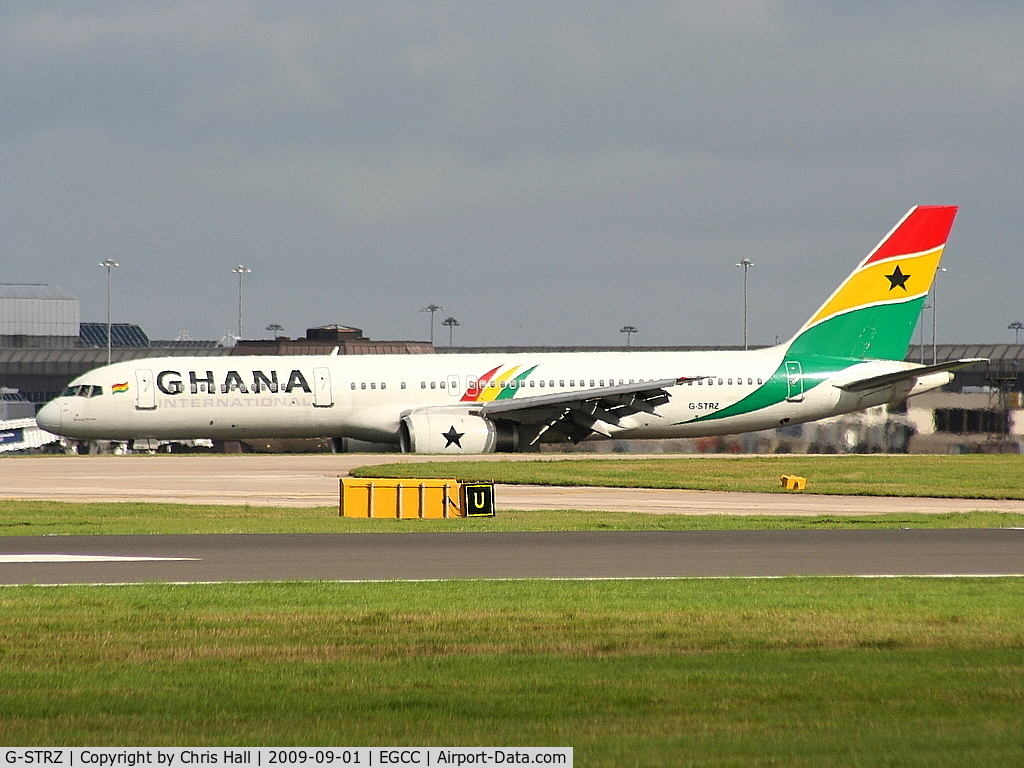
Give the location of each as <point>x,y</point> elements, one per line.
<point>885,379</point>
<point>579,413</point>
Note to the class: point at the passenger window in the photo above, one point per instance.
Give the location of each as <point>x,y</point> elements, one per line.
<point>402,385</point>
<point>353,385</point>
<point>433,385</point>
<point>442,385</point>
<point>383,385</point>
<point>561,382</point>
<point>423,385</point>
<point>759,381</point>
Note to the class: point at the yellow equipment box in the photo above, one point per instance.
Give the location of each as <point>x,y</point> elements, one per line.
<point>794,482</point>
<point>409,499</point>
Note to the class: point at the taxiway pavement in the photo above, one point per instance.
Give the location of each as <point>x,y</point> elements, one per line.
<point>306,480</point>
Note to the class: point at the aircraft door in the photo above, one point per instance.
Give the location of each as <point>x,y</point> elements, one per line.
<point>794,382</point>
<point>145,391</point>
<point>453,386</point>
<point>323,396</point>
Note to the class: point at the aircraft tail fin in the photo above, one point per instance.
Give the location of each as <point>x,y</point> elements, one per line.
<point>872,315</point>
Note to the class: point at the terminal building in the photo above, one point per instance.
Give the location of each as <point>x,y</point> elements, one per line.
<point>44,344</point>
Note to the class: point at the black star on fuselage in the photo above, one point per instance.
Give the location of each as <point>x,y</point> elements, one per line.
<point>897,279</point>
<point>453,437</point>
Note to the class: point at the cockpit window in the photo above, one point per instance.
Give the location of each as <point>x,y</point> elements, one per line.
<point>82,390</point>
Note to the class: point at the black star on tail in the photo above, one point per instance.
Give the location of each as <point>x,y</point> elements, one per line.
<point>897,279</point>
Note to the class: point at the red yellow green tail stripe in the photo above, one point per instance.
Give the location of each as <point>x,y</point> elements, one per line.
<point>873,313</point>
<point>871,316</point>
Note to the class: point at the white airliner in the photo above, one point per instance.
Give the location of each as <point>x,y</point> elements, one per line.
<point>848,356</point>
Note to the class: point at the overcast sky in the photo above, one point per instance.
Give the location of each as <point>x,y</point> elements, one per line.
<point>548,172</point>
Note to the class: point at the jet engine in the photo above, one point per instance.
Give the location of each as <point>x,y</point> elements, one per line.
<point>454,431</point>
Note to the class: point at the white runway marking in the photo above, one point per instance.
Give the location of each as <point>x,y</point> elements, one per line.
<point>83,559</point>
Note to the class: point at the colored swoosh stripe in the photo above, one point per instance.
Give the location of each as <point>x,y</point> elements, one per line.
<point>514,384</point>
<point>472,394</point>
<point>489,386</point>
<point>494,388</point>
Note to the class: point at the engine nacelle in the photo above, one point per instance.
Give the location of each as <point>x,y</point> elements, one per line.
<point>440,431</point>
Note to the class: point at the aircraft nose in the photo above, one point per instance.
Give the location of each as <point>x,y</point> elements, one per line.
<point>49,417</point>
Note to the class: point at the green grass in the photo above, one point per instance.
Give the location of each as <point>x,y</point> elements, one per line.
<point>39,518</point>
<point>788,672</point>
<point>967,476</point>
<point>682,672</point>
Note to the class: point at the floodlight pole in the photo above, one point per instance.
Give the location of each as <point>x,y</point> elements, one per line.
<point>935,310</point>
<point>432,308</point>
<point>108,263</point>
<point>240,270</point>
<point>1016,327</point>
<point>451,322</point>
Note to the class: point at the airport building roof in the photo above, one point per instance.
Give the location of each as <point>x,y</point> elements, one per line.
<point>994,352</point>
<point>34,292</point>
<point>37,311</point>
<point>121,335</point>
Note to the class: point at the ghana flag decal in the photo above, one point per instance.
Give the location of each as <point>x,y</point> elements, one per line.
<point>117,388</point>
<point>873,313</point>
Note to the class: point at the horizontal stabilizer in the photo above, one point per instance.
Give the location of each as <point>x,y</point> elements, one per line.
<point>886,379</point>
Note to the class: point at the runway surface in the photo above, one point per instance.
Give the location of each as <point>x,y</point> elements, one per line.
<point>312,480</point>
<point>565,555</point>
